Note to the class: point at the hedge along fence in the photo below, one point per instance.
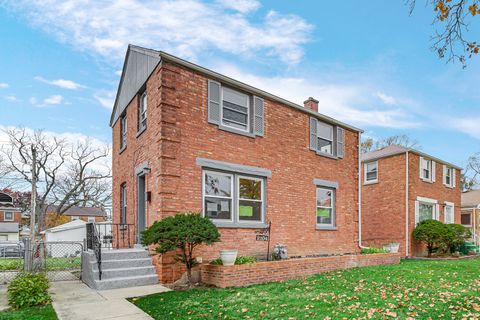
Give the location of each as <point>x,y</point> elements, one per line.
<point>273,271</point>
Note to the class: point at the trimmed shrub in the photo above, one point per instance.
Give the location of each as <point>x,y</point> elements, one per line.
<point>238,261</point>
<point>27,290</point>
<point>430,232</point>
<point>456,235</point>
<point>183,232</point>
<point>372,250</point>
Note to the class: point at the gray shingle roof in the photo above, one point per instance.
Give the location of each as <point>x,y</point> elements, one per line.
<point>396,149</point>
<point>471,199</point>
<point>81,211</point>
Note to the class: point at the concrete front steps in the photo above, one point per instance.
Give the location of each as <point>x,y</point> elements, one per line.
<point>120,269</point>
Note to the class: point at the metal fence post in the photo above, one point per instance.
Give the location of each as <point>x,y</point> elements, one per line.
<point>27,254</point>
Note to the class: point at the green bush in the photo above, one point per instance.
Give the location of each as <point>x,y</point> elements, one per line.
<point>238,261</point>
<point>183,232</point>
<point>455,236</point>
<point>372,250</point>
<point>27,290</point>
<point>431,233</point>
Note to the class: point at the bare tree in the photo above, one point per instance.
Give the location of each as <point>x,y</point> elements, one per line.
<point>452,18</point>
<point>402,140</point>
<point>471,173</point>
<point>69,174</point>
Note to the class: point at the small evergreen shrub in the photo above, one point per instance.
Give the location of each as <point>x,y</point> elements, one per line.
<point>27,290</point>
<point>372,250</point>
<point>238,261</point>
<point>456,235</point>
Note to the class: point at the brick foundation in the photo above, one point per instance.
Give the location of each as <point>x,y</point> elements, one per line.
<point>273,271</point>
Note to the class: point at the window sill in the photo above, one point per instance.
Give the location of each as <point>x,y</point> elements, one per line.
<point>326,155</point>
<point>426,180</point>
<point>231,225</point>
<point>122,149</point>
<point>140,131</point>
<point>447,186</point>
<point>366,183</point>
<point>326,228</point>
<point>237,131</point>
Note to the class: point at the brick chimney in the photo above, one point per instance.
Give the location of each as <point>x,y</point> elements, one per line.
<point>311,104</point>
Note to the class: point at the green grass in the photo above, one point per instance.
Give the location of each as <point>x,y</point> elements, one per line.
<point>35,313</point>
<point>416,289</point>
<point>51,263</point>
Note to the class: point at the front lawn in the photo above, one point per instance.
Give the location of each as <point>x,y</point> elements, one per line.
<point>35,313</point>
<point>415,289</point>
<point>62,263</point>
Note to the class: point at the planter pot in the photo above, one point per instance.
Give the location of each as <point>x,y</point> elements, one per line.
<point>392,247</point>
<point>228,257</point>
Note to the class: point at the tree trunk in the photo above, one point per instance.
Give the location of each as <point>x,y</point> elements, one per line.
<point>189,275</point>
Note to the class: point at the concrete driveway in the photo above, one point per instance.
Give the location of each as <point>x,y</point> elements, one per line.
<point>73,300</point>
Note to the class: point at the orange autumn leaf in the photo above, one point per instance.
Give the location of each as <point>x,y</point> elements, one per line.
<point>473,9</point>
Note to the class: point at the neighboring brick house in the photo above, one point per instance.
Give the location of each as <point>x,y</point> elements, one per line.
<point>87,214</point>
<point>470,215</point>
<point>10,218</point>
<point>186,138</point>
<point>401,187</point>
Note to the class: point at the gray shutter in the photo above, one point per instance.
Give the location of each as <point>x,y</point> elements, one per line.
<point>340,142</point>
<point>258,116</point>
<point>313,134</point>
<point>213,102</point>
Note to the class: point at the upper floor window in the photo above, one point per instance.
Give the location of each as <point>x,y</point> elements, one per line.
<point>449,176</point>
<point>427,169</point>
<point>123,131</point>
<point>233,198</point>
<point>123,203</point>
<point>235,111</point>
<point>8,216</point>
<point>371,172</point>
<point>142,111</point>
<point>326,139</point>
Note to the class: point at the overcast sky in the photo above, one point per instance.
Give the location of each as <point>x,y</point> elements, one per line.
<point>369,63</point>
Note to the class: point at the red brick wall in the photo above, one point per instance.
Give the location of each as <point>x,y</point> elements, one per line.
<point>17,217</point>
<point>178,133</point>
<point>247,274</point>
<point>383,203</point>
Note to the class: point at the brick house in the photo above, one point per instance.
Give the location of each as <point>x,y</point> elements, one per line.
<point>10,218</point>
<point>87,214</point>
<point>186,138</point>
<point>401,187</point>
<point>470,214</point>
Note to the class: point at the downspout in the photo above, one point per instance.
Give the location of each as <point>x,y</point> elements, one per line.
<point>406,207</point>
<point>360,192</point>
<point>475,211</point>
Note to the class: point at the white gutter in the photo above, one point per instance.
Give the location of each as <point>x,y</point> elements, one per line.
<point>360,192</point>
<point>406,206</point>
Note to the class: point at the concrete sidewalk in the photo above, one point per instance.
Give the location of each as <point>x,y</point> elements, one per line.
<point>73,300</point>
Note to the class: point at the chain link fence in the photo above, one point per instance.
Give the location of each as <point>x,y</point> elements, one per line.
<point>60,261</point>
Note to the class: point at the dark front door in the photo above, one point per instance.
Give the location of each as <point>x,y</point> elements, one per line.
<point>141,212</point>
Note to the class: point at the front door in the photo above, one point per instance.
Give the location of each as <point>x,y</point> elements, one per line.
<point>141,212</point>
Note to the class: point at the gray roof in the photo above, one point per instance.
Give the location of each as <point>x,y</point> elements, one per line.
<point>395,149</point>
<point>122,103</point>
<point>81,211</point>
<point>9,227</point>
<point>470,199</point>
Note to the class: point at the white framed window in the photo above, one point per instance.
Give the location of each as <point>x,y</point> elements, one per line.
<point>218,195</point>
<point>123,203</point>
<point>449,212</point>
<point>370,172</point>
<point>235,109</point>
<point>426,209</point>
<point>142,111</point>
<point>449,176</point>
<point>427,170</point>
<point>324,138</point>
<point>75,218</point>
<point>123,131</point>
<point>8,216</point>
<point>325,209</point>
<point>232,198</point>
<point>91,219</point>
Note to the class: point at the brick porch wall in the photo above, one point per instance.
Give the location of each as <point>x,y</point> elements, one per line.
<point>274,271</point>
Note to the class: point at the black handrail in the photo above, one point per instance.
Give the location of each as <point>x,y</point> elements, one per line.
<point>94,243</point>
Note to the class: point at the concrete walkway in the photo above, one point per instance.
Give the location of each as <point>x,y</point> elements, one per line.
<point>73,300</point>
<point>3,298</point>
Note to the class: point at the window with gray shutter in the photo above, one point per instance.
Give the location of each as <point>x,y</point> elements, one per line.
<point>213,102</point>
<point>258,120</point>
<point>340,142</point>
